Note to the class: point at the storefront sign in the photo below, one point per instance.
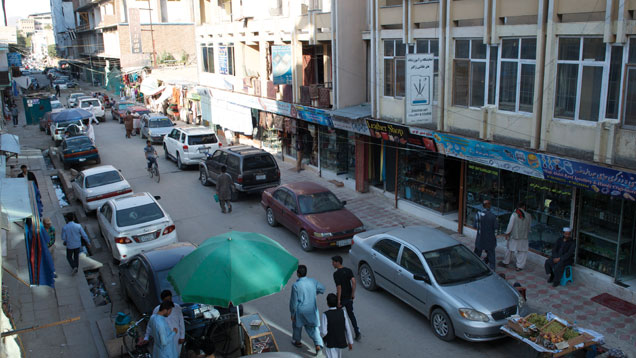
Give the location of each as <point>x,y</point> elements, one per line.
<point>281,65</point>
<point>425,142</point>
<point>421,132</point>
<point>134,27</point>
<point>388,131</point>
<point>311,114</point>
<point>223,63</point>
<point>419,88</point>
<point>232,116</point>
<point>14,59</point>
<point>356,125</point>
<point>494,155</point>
<point>592,177</point>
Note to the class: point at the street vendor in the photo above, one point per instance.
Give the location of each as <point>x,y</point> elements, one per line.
<point>562,256</point>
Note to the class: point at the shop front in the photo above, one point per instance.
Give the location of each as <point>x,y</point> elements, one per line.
<point>337,151</point>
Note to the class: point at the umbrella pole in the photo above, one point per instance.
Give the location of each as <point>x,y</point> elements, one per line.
<point>240,333</point>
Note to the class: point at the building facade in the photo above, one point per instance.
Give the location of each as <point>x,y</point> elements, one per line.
<point>63,21</point>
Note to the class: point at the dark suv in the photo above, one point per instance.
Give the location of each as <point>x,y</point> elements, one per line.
<point>252,169</point>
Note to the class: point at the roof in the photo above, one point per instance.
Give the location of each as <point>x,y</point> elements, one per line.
<point>245,150</point>
<point>137,108</point>
<point>157,116</point>
<point>136,199</point>
<point>197,130</point>
<point>97,170</point>
<point>165,257</point>
<point>305,187</point>
<point>78,94</point>
<point>77,138</point>
<point>424,238</point>
<point>353,112</point>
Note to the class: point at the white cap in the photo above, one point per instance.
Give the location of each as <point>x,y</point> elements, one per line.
<point>567,229</point>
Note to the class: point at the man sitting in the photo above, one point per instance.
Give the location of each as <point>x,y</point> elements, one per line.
<point>562,256</point>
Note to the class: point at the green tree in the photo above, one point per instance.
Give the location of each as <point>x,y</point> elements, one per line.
<point>52,51</point>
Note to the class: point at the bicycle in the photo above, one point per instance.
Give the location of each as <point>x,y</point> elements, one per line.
<point>132,338</point>
<point>153,172</point>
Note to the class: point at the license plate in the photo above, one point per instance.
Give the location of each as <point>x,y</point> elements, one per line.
<point>261,177</point>
<point>346,242</point>
<point>204,149</point>
<point>82,159</point>
<point>146,237</point>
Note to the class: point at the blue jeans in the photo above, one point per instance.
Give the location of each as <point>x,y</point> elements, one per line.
<point>312,331</point>
<point>151,161</point>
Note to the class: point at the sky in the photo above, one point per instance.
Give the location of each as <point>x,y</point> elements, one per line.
<point>16,9</point>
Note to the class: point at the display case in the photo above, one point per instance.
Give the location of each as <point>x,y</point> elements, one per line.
<point>258,336</point>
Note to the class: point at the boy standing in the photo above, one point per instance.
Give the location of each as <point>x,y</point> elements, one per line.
<point>335,329</point>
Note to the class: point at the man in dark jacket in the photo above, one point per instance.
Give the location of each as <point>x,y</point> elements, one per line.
<point>224,189</point>
<point>562,256</point>
<point>486,223</point>
<point>335,329</point>
<point>25,173</point>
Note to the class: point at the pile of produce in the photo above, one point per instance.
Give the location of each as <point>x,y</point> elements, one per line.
<point>537,319</point>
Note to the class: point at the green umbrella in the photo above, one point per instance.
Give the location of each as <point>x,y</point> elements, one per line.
<point>233,267</point>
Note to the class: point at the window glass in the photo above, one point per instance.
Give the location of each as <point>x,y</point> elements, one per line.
<point>133,268</point>
<point>478,49</point>
<point>204,58</point>
<point>142,278</point>
<point>477,83</point>
<point>614,82</point>
<point>280,195</point>
<point>460,82</point>
<point>434,47</point>
<point>456,264</point>
<point>202,139</point>
<point>422,46</point>
<point>567,80</point>
<point>319,203</point>
<point>529,48</point>
<point>462,49</point>
<point>258,162</point>
<point>593,49</point>
<point>508,86</point>
<point>290,202</point>
<point>492,75</point>
<point>400,49</point>
<point>411,262</point>
<point>211,59</point>
<point>526,88</point>
<point>104,178</point>
<point>388,248</point>
<point>233,163</point>
<point>389,48</point>
<point>630,98</point>
<point>632,51</point>
<point>159,123</point>
<point>139,215</point>
<point>389,74</point>
<point>510,48</point>
<point>569,48</point>
<point>400,74</point>
<point>591,85</point>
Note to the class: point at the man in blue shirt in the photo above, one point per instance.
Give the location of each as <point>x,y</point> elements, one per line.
<point>304,312</point>
<point>164,345</point>
<point>72,235</point>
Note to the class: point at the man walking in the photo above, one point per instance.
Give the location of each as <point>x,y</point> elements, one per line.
<point>335,329</point>
<point>72,235</point>
<point>224,189</point>
<point>302,305</point>
<point>300,148</point>
<point>517,237</point>
<point>486,240</point>
<point>345,290</point>
<point>562,256</point>
<point>128,124</point>
<point>25,173</point>
<point>14,114</point>
<point>174,320</point>
<point>164,345</point>
<point>57,91</point>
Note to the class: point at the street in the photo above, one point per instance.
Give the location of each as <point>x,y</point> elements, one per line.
<point>383,319</point>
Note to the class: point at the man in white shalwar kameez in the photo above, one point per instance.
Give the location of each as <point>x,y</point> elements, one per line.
<point>164,344</point>
<point>517,237</point>
<point>174,320</point>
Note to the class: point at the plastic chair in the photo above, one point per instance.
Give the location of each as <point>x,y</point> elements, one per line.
<point>567,276</point>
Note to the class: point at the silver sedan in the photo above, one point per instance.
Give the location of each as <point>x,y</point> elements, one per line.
<point>439,277</point>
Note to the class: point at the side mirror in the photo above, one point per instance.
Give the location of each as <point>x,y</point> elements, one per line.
<point>294,210</point>
<point>157,197</point>
<point>423,277</point>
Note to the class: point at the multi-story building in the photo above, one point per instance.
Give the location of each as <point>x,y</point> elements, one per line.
<point>42,21</point>
<point>511,101</point>
<point>26,26</point>
<point>103,35</point>
<point>63,20</point>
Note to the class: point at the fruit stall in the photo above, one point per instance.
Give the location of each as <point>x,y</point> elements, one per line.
<point>550,335</point>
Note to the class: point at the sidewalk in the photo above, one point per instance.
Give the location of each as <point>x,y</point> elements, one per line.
<point>571,302</point>
<point>71,296</point>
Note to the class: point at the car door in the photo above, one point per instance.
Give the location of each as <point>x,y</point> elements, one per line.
<point>181,143</point>
<point>384,255</point>
<point>170,141</point>
<point>412,291</point>
<point>233,166</point>
<point>129,275</point>
<point>78,188</point>
<point>104,219</point>
<point>279,197</point>
<point>218,160</point>
<point>290,213</point>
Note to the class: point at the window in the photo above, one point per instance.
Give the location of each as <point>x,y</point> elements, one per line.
<point>207,58</point>
<point>473,60</point>
<point>388,248</point>
<point>411,262</point>
<point>516,76</point>
<point>226,60</point>
<point>395,64</point>
<point>233,163</point>
<point>431,47</point>
<point>629,105</point>
<point>581,67</point>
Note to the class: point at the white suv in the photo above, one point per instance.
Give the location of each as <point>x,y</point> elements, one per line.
<point>188,146</point>
<point>97,107</point>
<point>72,99</point>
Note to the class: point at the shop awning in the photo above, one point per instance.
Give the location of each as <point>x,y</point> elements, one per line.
<point>14,199</point>
<point>353,112</point>
<point>167,93</point>
<point>22,82</point>
<point>150,87</point>
<point>352,118</point>
<point>127,70</point>
<point>10,143</point>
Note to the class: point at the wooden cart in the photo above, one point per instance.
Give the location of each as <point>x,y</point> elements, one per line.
<point>258,337</point>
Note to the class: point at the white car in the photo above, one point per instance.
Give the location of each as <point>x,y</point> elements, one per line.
<point>60,83</point>
<point>134,224</point>
<point>72,99</point>
<point>188,146</point>
<point>94,186</point>
<point>56,107</point>
<point>93,105</point>
<point>58,129</point>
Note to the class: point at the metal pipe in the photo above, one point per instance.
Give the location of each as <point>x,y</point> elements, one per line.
<point>152,36</point>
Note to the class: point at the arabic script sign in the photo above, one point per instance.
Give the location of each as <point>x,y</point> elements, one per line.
<point>134,26</point>
<point>419,88</point>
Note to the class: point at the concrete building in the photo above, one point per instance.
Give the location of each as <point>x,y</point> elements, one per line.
<point>26,26</point>
<point>524,100</point>
<point>63,21</point>
<point>42,21</point>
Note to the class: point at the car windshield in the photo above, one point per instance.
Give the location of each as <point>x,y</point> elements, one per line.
<point>59,81</point>
<point>86,104</point>
<point>104,178</point>
<point>79,142</point>
<point>160,123</point>
<point>76,95</point>
<point>455,264</point>
<point>139,215</point>
<point>202,139</point>
<point>319,203</point>
<point>56,105</point>
<point>258,162</point>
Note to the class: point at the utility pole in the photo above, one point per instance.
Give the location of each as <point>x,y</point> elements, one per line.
<point>152,36</point>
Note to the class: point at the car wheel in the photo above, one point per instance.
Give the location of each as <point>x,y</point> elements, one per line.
<point>305,242</point>
<point>367,278</point>
<point>442,325</point>
<point>271,219</point>
<point>98,160</point>
<point>165,152</point>
<point>179,163</point>
<point>203,177</point>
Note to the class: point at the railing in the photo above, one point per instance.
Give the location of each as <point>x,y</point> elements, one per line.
<point>317,95</point>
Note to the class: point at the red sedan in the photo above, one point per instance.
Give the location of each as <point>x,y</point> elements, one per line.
<point>313,213</point>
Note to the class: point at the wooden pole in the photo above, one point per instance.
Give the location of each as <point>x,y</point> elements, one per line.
<point>36,327</point>
<point>397,151</point>
<point>16,277</point>
<point>462,198</point>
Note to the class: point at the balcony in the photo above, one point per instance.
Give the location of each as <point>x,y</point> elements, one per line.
<point>318,96</point>
<point>107,21</point>
<point>83,27</point>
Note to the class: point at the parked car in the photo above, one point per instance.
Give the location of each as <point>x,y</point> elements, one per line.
<point>142,277</point>
<point>56,106</point>
<point>94,186</point>
<point>313,213</point>
<point>72,99</point>
<point>252,169</point>
<point>93,105</point>
<point>71,84</point>
<point>61,83</point>
<point>57,129</point>
<point>118,111</point>
<point>155,126</point>
<point>78,150</point>
<point>135,224</point>
<point>439,277</point>
<point>188,146</point>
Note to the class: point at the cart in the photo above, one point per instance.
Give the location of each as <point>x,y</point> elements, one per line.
<point>258,337</point>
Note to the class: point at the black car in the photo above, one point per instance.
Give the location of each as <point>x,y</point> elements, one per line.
<point>252,169</point>
<point>144,276</point>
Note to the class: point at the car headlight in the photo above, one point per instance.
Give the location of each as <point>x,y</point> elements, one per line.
<point>323,234</point>
<point>473,315</point>
<point>359,228</point>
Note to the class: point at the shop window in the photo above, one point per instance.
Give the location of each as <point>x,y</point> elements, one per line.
<point>474,75</point>
<point>516,76</point>
<point>582,66</point>
<point>338,151</point>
